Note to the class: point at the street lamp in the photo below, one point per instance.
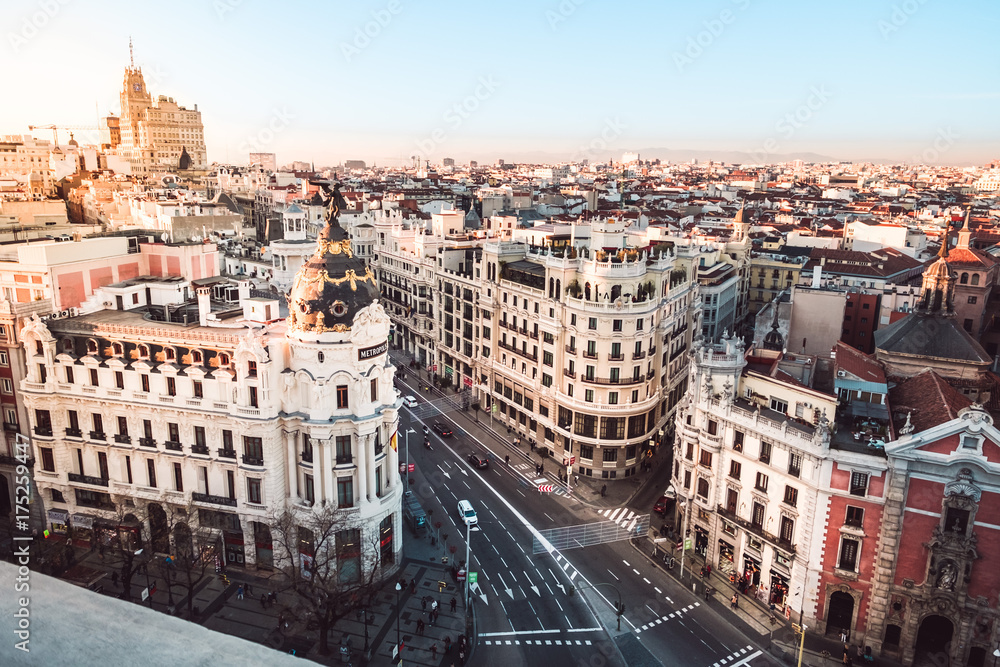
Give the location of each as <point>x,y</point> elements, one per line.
<point>139,553</point>
<point>619,608</point>
<point>996,654</point>
<point>802,641</point>
<point>685,507</point>
<point>468,561</point>
<point>406,439</point>
<point>399,649</point>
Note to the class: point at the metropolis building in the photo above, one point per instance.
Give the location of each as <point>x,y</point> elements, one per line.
<point>228,422</point>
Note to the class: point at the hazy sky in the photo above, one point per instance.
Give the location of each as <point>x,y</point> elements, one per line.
<point>909,80</point>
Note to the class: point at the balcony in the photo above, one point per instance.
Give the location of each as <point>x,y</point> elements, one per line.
<point>570,350</point>
<point>123,438</point>
<point>11,427</point>
<point>638,355</point>
<point>147,442</point>
<point>612,381</point>
<point>590,354</point>
<point>98,435</point>
<point>41,430</point>
<point>344,459</point>
<point>74,433</point>
<point>199,449</point>
<point>214,500</point>
<point>650,374</point>
<point>756,529</point>
<point>307,457</point>
<point>253,460</point>
<point>99,503</point>
<point>87,479</point>
<point>227,453</point>
<point>173,445</point>
<point>7,460</point>
<point>615,357</point>
<point>568,373</point>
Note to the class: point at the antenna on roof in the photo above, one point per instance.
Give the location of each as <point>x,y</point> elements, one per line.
<point>131,59</point>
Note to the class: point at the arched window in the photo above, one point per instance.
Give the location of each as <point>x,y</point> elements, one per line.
<point>223,359</point>
<point>91,346</point>
<point>168,353</point>
<point>196,356</point>
<point>144,351</point>
<point>67,346</point>
<point>552,284</point>
<point>117,349</point>
<point>558,288</point>
<point>586,292</point>
<point>975,278</point>
<point>965,278</point>
<point>616,291</point>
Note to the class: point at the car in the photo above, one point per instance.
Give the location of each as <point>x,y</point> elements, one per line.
<point>467,514</point>
<point>441,429</point>
<point>410,401</point>
<point>479,461</point>
<point>661,505</point>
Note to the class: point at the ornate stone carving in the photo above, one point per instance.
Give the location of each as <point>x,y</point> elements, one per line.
<point>963,486</point>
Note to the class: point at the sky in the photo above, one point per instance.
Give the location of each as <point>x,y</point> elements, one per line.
<point>914,81</point>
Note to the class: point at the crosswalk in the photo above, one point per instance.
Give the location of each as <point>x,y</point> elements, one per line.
<point>738,658</point>
<point>537,642</point>
<point>667,617</point>
<point>622,516</point>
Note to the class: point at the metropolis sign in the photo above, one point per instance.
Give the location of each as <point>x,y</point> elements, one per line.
<point>372,352</point>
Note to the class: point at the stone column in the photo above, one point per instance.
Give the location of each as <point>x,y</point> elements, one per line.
<point>370,467</point>
<point>392,459</point>
<point>325,468</point>
<point>362,468</point>
<point>293,469</point>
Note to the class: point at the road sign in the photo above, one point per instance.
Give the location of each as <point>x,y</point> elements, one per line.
<point>461,575</point>
<point>545,488</point>
<point>473,577</point>
<point>687,543</point>
<point>467,382</point>
<point>411,467</point>
<point>495,408</point>
<point>569,460</point>
<point>402,468</point>
<point>433,368</point>
<point>145,594</point>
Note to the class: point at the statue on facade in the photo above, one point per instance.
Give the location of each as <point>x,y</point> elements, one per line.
<point>947,574</point>
<point>334,202</point>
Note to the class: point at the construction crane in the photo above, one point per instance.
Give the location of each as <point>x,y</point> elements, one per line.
<point>55,130</point>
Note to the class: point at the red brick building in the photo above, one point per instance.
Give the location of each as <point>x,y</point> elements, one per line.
<point>861,313</point>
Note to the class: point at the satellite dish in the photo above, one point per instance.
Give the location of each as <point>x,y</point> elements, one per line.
<point>163,237</point>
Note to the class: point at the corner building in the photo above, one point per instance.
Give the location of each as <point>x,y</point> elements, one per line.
<point>229,425</point>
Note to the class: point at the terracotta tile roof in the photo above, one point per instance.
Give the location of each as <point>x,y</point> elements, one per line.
<point>928,398</point>
<point>858,364</point>
<point>969,257</point>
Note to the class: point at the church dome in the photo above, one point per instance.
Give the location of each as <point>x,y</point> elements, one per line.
<point>333,284</point>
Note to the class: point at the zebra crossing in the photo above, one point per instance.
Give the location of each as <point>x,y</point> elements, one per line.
<point>537,642</point>
<point>740,655</point>
<point>666,617</point>
<point>622,517</point>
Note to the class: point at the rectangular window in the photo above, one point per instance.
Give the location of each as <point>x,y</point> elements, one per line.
<point>199,438</point>
<point>174,432</point>
<point>345,493</point>
<point>253,448</point>
<point>227,440</point>
<point>119,380</point>
<point>859,484</point>
<point>616,325</point>
<point>713,427</point>
<point>639,324</point>
<point>791,496</point>
<point>123,426</point>
<point>252,368</point>
<point>151,472</point>
<point>343,443</point>
<point>761,483</point>
<point>757,515</point>
<point>147,429</point>
<point>586,452</point>
<point>765,452</point>
<point>547,358</point>
<point>128,469</point>
<point>253,397</point>
<point>735,468</point>
<point>178,478</point>
<point>588,395</point>
<point>787,530</point>
<point>231,485</point>
<point>592,324</point>
<point>199,391</point>
<point>309,488</point>
<point>612,398</point>
<point>855,516</point>
<point>794,464</point>
<point>546,380</point>
<point>144,379</point>
<point>738,441</point>
<point>93,377</point>
<point>848,554</point>
<point>253,490</point>
<point>48,461</point>
<point>703,488</point>
<point>687,479</point>
<point>341,396</point>
<point>69,374</point>
<point>171,386</point>
<point>779,405</point>
<point>374,390</point>
<point>609,454</point>
<point>706,459</point>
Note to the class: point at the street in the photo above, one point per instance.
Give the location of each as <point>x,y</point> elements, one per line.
<point>560,606</point>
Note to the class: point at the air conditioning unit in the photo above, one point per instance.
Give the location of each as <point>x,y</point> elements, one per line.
<point>841,374</point>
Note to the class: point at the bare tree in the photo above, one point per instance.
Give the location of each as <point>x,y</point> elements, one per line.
<point>191,556</point>
<point>326,566</point>
<point>124,549</point>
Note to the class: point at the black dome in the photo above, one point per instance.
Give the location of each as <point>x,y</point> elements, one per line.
<point>333,284</point>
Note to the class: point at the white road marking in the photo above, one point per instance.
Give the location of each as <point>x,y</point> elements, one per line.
<point>635,570</point>
<point>657,590</point>
<point>559,605</point>
<point>504,563</point>
<point>550,518</point>
<point>646,580</point>
<point>519,491</point>
<point>614,575</point>
<point>627,564</point>
<point>467,485</point>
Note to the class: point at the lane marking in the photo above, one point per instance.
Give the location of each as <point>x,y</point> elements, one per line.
<point>549,518</point>
<point>614,575</point>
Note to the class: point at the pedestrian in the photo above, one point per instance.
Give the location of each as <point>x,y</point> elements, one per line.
<point>434,650</point>
<point>461,656</point>
<point>604,490</point>
<point>423,603</point>
<point>453,603</point>
<point>249,589</point>
<point>735,602</point>
<point>532,445</point>
<point>114,578</point>
<point>434,605</point>
<point>263,601</point>
<point>239,591</point>
<point>274,597</point>
<point>506,459</point>
<point>413,585</point>
<point>447,644</point>
<point>420,627</point>
<point>281,620</point>
<point>843,637</point>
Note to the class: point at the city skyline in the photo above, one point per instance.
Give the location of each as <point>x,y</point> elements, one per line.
<point>384,81</point>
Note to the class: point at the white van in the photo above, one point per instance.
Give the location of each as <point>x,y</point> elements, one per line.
<point>467,514</point>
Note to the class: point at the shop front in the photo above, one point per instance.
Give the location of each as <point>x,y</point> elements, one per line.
<point>751,574</point>
<point>83,530</point>
<point>235,554</point>
<point>779,589</point>
<point>58,521</point>
<point>727,563</point>
<point>700,541</point>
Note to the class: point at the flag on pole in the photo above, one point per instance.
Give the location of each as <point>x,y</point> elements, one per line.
<point>392,441</point>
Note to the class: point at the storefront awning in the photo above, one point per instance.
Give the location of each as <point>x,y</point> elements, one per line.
<point>83,521</point>
<point>58,516</point>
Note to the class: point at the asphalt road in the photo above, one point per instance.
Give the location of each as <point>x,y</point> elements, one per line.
<point>533,608</point>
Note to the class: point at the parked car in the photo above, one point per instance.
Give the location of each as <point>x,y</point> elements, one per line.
<point>410,401</point>
<point>466,513</point>
<point>661,505</point>
<point>479,461</point>
<point>441,429</point>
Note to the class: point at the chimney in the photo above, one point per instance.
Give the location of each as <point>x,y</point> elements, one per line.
<point>204,305</point>
<point>817,270</point>
<point>244,290</point>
